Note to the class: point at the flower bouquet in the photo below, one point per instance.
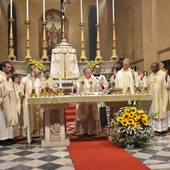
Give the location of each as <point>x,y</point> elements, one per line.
<point>31,64</point>
<point>130,127</point>
<point>92,64</point>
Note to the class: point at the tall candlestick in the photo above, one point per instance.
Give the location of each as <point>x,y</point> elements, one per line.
<point>113,10</point>
<point>97,10</point>
<point>10,8</point>
<point>27,10</point>
<point>43,10</point>
<point>81,11</point>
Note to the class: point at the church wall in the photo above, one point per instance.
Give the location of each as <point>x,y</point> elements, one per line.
<point>142,29</point>
<point>105,26</point>
<point>163,30</point>
<point>156,30</point>
<point>3,31</point>
<point>129,31</point>
<point>72,14</point>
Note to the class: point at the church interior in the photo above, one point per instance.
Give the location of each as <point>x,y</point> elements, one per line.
<point>133,29</point>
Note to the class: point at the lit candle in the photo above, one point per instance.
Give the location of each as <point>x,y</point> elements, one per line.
<point>27,11</point>
<point>113,10</point>
<point>81,11</point>
<point>10,8</point>
<point>43,10</point>
<point>97,10</point>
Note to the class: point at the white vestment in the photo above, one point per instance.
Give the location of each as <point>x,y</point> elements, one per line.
<point>87,114</point>
<point>28,84</point>
<point>167,85</point>
<point>124,79</point>
<point>48,83</point>
<point>160,99</point>
<point>102,79</point>
<point>64,62</point>
<point>6,129</point>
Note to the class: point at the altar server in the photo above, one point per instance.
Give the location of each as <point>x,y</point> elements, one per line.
<point>104,85</point>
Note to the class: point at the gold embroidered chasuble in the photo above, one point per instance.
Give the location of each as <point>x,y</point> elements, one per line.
<point>87,111</point>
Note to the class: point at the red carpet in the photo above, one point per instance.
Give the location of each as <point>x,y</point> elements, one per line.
<point>102,155</point>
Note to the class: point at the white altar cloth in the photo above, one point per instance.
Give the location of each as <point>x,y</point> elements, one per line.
<point>61,102</point>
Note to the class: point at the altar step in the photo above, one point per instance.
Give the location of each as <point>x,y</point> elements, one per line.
<point>70,112</point>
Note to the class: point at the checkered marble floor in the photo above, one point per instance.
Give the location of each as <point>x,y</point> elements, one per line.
<point>23,157</point>
<point>156,155</point>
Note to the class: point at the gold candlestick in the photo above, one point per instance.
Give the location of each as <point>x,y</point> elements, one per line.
<point>28,56</point>
<point>128,92</point>
<point>145,90</point>
<point>83,56</point>
<point>51,92</point>
<point>60,92</point>
<point>114,55</point>
<point>44,57</point>
<point>98,56</point>
<point>11,55</point>
<point>33,93</point>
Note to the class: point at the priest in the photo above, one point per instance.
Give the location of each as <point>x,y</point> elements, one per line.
<point>160,98</point>
<point>87,114</point>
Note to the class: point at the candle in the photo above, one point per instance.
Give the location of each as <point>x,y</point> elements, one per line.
<point>137,81</point>
<point>43,10</point>
<point>60,80</point>
<point>51,82</point>
<point>97,9</point>
<point>81,11</point>
<point>33,80</point>
<point>60,83</point>
<point>27,11</point>
<point>113,10</point>
<point>10,8</point>
<point>145,81</point>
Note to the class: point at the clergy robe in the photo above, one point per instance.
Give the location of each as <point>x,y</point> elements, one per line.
<point>167,85</point>
<point>124,79</point>
<point>87,114</point>
<point>6,114</point>
<point>35,117</point>
<point>160,99</point>
<point>48,83</point>
<point>102,106</point>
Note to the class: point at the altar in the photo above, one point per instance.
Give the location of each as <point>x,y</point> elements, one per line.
<point>59,103</point>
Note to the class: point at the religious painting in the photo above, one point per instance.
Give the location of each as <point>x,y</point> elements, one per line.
<point>53,29</point>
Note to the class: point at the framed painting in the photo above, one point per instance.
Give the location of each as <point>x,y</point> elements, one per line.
<point>54,29</point>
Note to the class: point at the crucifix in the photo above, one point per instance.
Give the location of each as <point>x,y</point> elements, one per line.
<point>63,5</point>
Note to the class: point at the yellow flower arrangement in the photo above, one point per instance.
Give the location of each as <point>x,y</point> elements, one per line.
<point>31,64</point>
<point>130,126</point>
<point>92,63</point>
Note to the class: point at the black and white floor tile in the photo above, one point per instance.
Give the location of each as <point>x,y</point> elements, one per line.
<point>20,156</point>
